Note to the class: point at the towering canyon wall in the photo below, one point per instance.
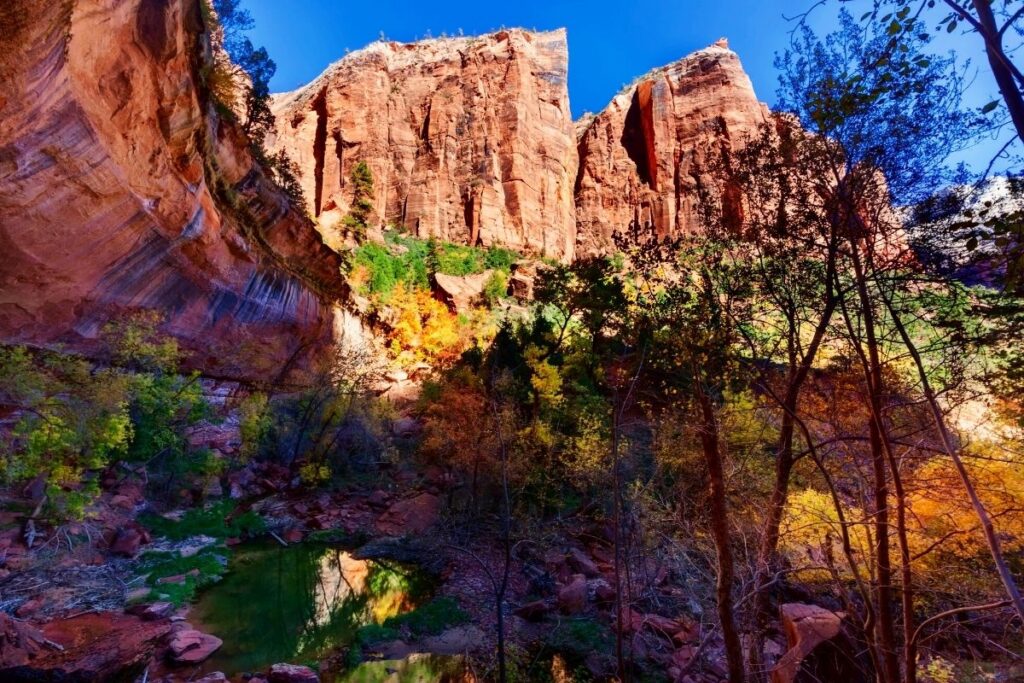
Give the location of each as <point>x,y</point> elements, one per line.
<point>641,157</point>
<point>469,139</point>
<point>121,189</point>
<point>107,156</point>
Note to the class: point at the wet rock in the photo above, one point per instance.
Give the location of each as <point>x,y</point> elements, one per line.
<point>292,673</point>
<point>189,646</point>
<point>572,599</point>
<point>410,516</point>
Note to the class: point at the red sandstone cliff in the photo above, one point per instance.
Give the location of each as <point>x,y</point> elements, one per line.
<point>107,155</point>
<point>640,158</point>
<point>121,189</point>
<point>469,139</point>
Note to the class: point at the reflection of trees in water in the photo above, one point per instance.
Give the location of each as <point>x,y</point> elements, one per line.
<point>417,668</point>
<point>298,603</point>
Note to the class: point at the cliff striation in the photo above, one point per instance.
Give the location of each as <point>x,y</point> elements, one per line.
<point>468,139</point>
<point>121,190</point>
<point>641,157</point>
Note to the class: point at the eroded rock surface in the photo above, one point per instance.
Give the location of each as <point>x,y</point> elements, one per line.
<point>469,139</point>
<point>642,158</point>
<point>108,151</point>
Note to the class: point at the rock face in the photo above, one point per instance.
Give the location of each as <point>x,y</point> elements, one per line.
<point>818,648</point>
<point>92,648</point>
<point>469,139</point>
<point>641,158</point>
<point>109,154</point>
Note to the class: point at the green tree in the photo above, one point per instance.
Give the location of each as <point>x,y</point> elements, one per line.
<point>358,218</point>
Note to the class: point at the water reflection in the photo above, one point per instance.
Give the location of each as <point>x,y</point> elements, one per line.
<point>296,604</point>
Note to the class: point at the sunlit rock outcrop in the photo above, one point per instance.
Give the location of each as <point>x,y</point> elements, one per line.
<point>469,139</point>
<point>641,157</point>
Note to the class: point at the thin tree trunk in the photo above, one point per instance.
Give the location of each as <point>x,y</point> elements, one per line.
<point>998,61</point>
<point>506,539</point>
<point>780,491</point>
<point>720,533</point>
<point>620,661</point>
<point>994,546</point>
<point>873,375</point>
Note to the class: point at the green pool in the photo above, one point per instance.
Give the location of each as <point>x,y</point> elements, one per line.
<point>302,603</point>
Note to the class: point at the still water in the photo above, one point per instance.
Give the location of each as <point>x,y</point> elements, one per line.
<point>300,603</point>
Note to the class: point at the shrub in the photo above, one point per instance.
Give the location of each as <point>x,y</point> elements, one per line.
<point>495,289</point>
<point>196,571</point>
<point>216,521</point>
<point>74,423</point>
<point>255,420</point>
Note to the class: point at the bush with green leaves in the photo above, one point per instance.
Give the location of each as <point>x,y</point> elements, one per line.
<point>410,261</point>
<point>164,404</point>
<point>74,418</point>
<point>73,422</point>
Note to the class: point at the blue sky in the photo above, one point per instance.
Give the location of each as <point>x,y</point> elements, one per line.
<point>610,43</point>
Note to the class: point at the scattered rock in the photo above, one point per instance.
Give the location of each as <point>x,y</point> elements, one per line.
<point>189,646</point>
<point>19,643</point>
<point>378,499</point>
<point>128,539</point>
<point>293,535</point>
<point>410,516</point>
<point>582,563</point>
<point>405,427</point>
<point>122,502</point>
<point>461,292</point>
<point>396,376</point>
<point>215,677</point>
<point>455,641</point>
<point>101,646</point>
<point>225,436</point>
<point>572,599</point>
<point>533,611</point>
<point>292,673</point>
<point>153,611</point>
<point>521,286</point>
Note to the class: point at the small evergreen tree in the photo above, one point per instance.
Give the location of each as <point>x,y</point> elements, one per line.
<point>359,214</point>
